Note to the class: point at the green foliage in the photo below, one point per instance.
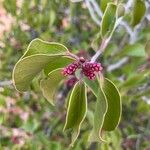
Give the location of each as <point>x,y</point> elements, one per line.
<point>101,108</point>
<point>10,5</point>
<point>108,23</point>
<point>114,109</point>
<point>136,50</point>
<point>76,111</point>
<point>50,84</point>
<point>38,46</point>
<point>41,55</point>
<point>37,125</point>
<point>57,63</point>
<point>103,4</point>
<point>108,20</point>
<point>38,55</point>
<point>139,11</point>
<point>107,110</point>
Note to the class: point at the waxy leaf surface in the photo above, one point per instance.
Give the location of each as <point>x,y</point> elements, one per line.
<point>76,111</point>
<point>39,55</point>
<point>108,107</point>
<point>99,115</point>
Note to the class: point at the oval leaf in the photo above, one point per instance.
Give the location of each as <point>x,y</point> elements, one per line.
<point>113,100</point>
<point>39,55</point>
<point>114,110</point>
<point>138,12</point>
<point>38,46</point>
<point>99,115</point>
<point>49,85</point>
<point>27,68</point>
<point>77,109</point>
<point>108,20</point>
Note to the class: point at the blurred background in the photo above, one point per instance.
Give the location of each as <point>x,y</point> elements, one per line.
<point>27,120</point>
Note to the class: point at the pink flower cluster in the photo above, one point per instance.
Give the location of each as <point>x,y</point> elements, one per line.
<point>88,68</point>
<point>70,69</point>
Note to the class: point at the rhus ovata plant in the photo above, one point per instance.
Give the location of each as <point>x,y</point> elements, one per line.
<point>56,64</point>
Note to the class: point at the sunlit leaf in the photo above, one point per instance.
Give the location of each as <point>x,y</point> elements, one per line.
<point>38,46</point>
<point>39,55</point>
<point>27,68</point>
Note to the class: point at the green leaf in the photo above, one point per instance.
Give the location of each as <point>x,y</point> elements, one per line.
<point>92,84</point>
<point>108,108</point>
<point>39,55</point>
<point>108,20</point>
<point>114,110</point>
<point>57,63</point>
<point>27,68</point>
<point>120,10</point>
<point>138,12</point>
<point>96,41</point>
<point>136,50</point>
<point>38,46</point>
<point>49,85</point>
<point>104,3</point>
<point>77,109</point>
<point>99,115</point>
<point>10,6</point>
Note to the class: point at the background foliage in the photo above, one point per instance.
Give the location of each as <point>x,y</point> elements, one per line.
<point>27,120</point>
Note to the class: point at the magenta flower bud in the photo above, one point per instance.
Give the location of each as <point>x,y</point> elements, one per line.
<point>82,60</point>
<point>89,69</point>
<point>97,67</point>
<point>70,69</point>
